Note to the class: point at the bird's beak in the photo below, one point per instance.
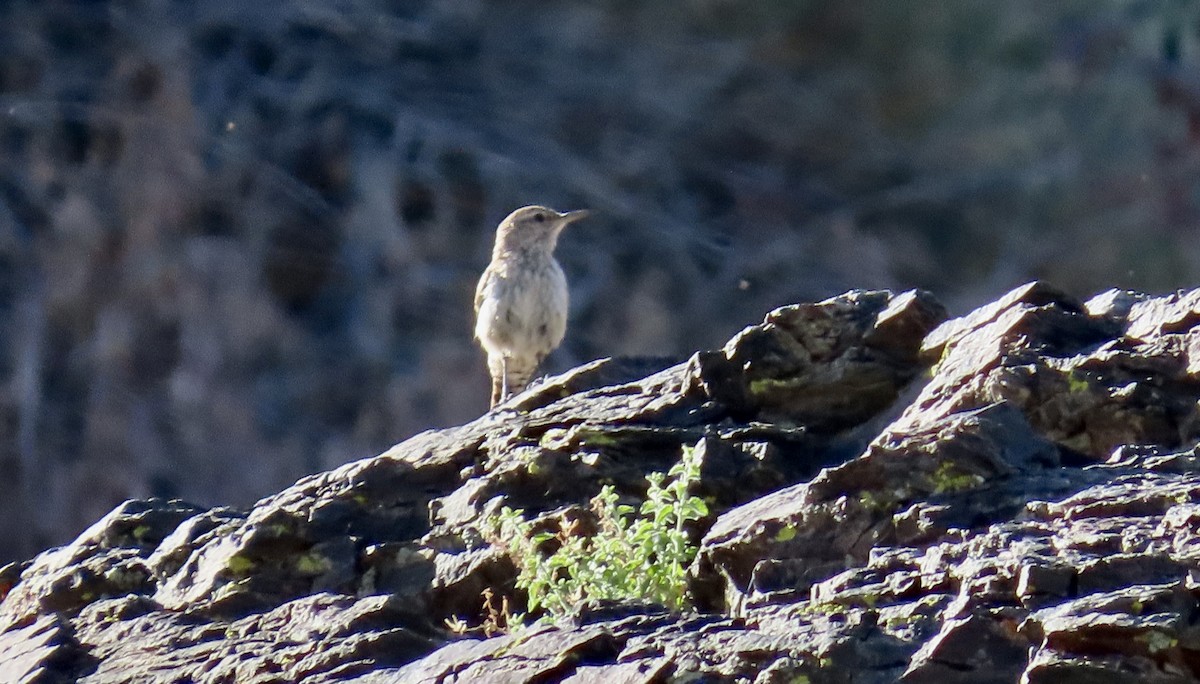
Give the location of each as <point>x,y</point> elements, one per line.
<point>573,216</point>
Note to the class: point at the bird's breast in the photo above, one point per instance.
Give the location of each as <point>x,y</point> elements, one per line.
<point>523,311</point>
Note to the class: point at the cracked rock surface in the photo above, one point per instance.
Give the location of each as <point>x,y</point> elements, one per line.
<point>1008,496</point>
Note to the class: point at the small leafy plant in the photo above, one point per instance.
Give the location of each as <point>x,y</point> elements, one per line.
<point>642,556</point>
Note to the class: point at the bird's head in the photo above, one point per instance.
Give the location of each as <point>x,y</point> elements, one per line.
<point>534,227</point>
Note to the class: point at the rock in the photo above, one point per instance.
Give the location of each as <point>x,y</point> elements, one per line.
<point>1026,511</point>
<point>318,638</point>
<point>826,366</point>
<point>789,539</point>
<point>108,559</point>
<point>42,652</point>
<point>978,648</point>
<point>1076,377</point>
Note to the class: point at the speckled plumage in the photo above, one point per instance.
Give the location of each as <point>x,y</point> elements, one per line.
<point>521,301</point>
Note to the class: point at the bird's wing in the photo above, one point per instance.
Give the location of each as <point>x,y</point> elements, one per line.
<point>481,288</point>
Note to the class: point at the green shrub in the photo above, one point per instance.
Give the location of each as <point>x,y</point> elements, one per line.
<point>640,557</point>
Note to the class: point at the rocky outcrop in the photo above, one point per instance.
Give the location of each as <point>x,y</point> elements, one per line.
<point>1008,496</point>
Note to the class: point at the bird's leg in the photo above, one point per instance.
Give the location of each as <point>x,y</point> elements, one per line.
<point>503,378</point>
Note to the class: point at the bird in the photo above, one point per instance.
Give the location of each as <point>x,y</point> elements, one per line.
<point>521,300</point>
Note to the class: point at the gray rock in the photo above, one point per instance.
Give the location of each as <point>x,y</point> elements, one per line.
<point>1027,512</point>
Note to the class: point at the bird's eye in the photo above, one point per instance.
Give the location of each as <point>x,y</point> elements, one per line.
<point>539,217</point>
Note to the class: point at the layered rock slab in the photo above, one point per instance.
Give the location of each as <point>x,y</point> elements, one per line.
<point>1005,497</point>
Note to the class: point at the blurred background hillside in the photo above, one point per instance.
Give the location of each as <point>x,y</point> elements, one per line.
<point>239,240</point>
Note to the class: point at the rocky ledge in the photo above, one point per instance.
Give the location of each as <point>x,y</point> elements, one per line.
<point>1010,496</point>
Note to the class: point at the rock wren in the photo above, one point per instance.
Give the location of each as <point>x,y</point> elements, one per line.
<point>521,299</point>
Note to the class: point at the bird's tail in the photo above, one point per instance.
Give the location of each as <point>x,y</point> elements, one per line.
<point>509,375</point>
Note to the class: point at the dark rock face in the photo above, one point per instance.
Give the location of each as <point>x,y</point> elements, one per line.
<point>1008,496</point>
